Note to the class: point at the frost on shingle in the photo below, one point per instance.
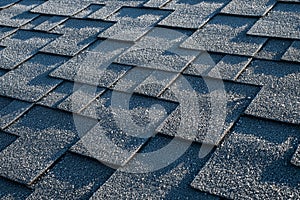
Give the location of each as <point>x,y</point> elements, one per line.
<point>293,52</point>
<point>133,23</point>
<point>94,65</point>
<point>249,7</point>
<point>30,81</point>
<point>273,49</point>
<point>159,49</point>
<point>282,21</point>
<point>76,35</point>
<point>73,177</point>
<point>18,14</point>
<point>253,163</point>
<point>191,13</point>
<point>43,136</point>
<point>226,34</point>
<point>169,182</point>
<point>207,108</point>
<point>125,123</point>
<point>21,46</point>
<point>280,96</point>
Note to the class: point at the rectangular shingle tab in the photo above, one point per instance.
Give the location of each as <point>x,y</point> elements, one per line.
<point>163,183</point>
<point>199,98</point>
<point>230,34</point>
<point>254,163</point>
<point>42,140</point>
<point>21,46</point>
<point>79,179</point>
<point>249,7</point>
<point>282,21</point>
<point>30,81</point>
<point>77,34</point>
<point>191,14</point>
<point>133,23</point>
<point>45,23</point>
<point>12,190</point>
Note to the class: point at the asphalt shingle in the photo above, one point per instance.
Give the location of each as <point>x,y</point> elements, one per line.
<point>5,31</point>
<point>249,7</point>
<point>293,52</point>
<point>45,23</point>
<point>30,82</point>
<point>279,98</point>
<point>73,177</point>
<point>273,49</point>
<point>18,14</point>
<point>7,3</point>
<point>21,46</point>
<point>12,190</point>
<point>42,139</point>
<point>166,183</point>
<point>159,49</point>
<point>208,108</point>
<point>93,66</point>
<point>253,163</point>
<point>191,13</point>
<point>125,123</point>
<point>282,21</point>
<point>226,34</point>
<point>133,23</point>
<point>77,34</point>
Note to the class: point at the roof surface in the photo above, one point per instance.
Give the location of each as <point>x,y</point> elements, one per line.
<point>150,99</point>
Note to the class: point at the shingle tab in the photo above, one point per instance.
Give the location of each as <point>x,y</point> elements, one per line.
<point>77,34</point>
<point>226,34</point>
<point>73,177</point>
<point>133,23</point>
<point>159,49</point>
<point>282,21</point>
<point>7,3</point>
<point>166,183</point>
<point>21,46</point>
<point>12,190</point>
<point>45,23</point>
<point>195,111</point>
<point>191,13</point>
<point>42,140</point>
<point>293,52</point>
<point>253,163</point>
<point>5,31</point>
<point>62,7</point>
<point>18,14</point>
<point>281,88</point>
<point>125,123</point>
<point>93,66</point>
<point>273,49</point>
<point>30,81</point>
<point>249,7</point>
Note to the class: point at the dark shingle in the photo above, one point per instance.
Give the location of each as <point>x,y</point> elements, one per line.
<point>7,3</point>
<point>253,163</point>
<point>282,21</point>
<point>30,81</point>
<point>21,46</point>
<point>171,182</point>
<point>296,158</point>
<point>44,135</point>
<point>12,190</point>
<point>133,23</point>
<point>77,34</point>
<point>226,34</point>
<point>191,13</point>
<point>249,7</point>
<point>73,177</point>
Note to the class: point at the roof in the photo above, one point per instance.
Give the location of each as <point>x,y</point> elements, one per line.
<point>149,99</point>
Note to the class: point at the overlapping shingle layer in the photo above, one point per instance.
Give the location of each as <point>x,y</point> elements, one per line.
<point>149,99</point>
